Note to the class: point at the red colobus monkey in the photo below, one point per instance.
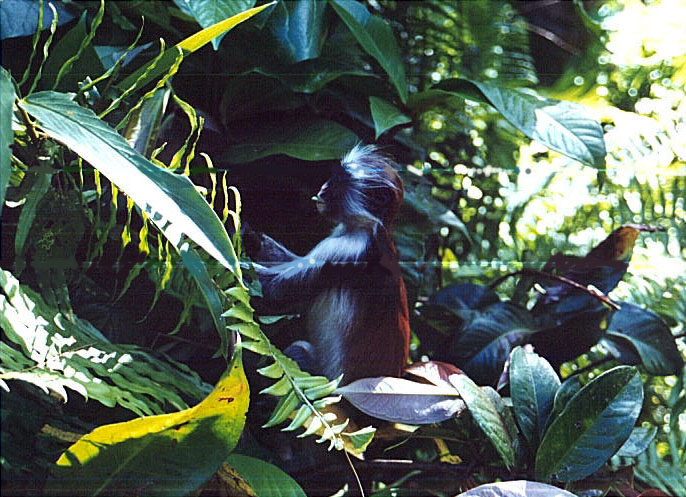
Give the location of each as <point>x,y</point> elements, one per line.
<point>349,286</point>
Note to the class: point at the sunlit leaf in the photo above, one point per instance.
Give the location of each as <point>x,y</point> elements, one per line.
<point>562,126</point>
<point>516,488</point>
<point>188,45</point>
<point>210,12</point>
<point>42,347</point>
<point>167,454</point>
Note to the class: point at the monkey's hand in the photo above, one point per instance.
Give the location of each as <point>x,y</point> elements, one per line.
<point>263,249</point>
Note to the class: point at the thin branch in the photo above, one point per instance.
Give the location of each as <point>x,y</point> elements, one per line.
<point>597,294</point>
<point>552,37</point>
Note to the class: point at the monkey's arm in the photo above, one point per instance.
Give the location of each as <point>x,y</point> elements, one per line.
<point>272,252</point>
<point>332,260</point>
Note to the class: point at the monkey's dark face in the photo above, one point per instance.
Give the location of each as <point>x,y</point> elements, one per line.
<point>360,195</point>
<point>331,199</point>
<point>320,199</point>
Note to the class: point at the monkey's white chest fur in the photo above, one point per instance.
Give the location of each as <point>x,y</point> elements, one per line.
<point>329,321</point>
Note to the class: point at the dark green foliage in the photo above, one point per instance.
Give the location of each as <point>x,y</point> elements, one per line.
<point>113,214</point>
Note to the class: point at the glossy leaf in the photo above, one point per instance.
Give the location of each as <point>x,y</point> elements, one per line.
<point>592,427</point>
<point>188,45</point>
<point>483,344</point>
<point>210,12</point>
<point>385,115</point>
<point>562,126</point>
<point>376,38</point>
<point>42,347</point>
<point>574,316</point>
<point>168,454</point>
<point>170,201</point>
<point>465,296</point>
<point>638,441</point>
<point>516,488</point>
<point>640,332</point>
<point>403,401</point>
<point>7,97</point>
<point>486,415</point>
<point>316,139</point>
<point>569,388</point>
<point>20,18</point>
<point>298,27</point>
<point>265,479</point>
<point>533,385</point>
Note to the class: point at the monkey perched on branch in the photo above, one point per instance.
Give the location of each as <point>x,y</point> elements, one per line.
<point>349,286</point>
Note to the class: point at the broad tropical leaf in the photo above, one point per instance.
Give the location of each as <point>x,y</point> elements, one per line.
<point>533,385</point>
<point>594,424</point>
<point>170,200</point>
<point>167,454</point>
<point>486,415</point>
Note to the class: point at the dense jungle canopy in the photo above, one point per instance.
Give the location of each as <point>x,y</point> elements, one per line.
<point>542,241</point>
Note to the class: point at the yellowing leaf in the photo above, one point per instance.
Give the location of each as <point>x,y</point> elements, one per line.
<point>189,45</point>
<point>168,454</point>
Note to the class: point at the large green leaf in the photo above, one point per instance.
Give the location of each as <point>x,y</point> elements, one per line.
<point>264,478</point>
<point>7,97</point>
<point>376,37</point>
<point>483,344</point>
<point>592,427</point>
<point>151,71</point>
<point>310,76</point>
<point>385,115</point>
<point>533,384</point>
<point>561,126</point>
<point>209,12</point>
<point>313,139</point>
<point>167,454</point>
<point>298,27</point>
<point>171,201</point>
<point>634,330</point>
<point>486,415</point>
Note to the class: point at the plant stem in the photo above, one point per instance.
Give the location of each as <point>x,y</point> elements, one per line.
<point>533,272</point>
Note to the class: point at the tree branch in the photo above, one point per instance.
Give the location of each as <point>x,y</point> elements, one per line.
<point>597,294</point>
